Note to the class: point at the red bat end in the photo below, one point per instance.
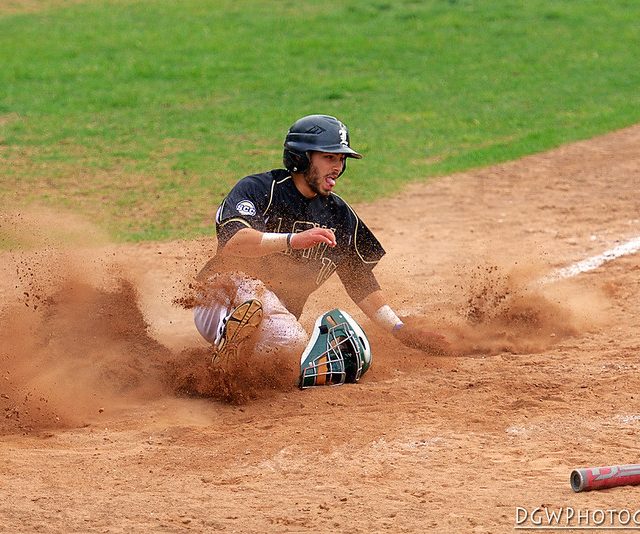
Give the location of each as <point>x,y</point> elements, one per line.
<point>592,478</point>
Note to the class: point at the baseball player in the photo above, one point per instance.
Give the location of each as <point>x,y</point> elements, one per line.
<point>281,235</point>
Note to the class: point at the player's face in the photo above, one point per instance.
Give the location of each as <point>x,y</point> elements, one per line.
<point>323,172</point>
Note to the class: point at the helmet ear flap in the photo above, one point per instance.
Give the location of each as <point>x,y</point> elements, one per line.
<point>295,161</point>
<point>344,167</point>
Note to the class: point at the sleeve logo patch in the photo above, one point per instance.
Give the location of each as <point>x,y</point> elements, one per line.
<point>246,207</point>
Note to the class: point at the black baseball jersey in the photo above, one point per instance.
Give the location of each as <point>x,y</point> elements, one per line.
<point>270,202</point>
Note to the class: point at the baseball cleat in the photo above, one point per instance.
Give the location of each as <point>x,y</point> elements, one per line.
<point>237,327</point>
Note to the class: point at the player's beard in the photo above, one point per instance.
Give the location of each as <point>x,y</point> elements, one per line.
<point>314,181</point>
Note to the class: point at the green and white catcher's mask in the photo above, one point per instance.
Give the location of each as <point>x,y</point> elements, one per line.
<point>338,352</point>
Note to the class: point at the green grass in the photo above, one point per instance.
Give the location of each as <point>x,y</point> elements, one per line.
<point>141,115</point>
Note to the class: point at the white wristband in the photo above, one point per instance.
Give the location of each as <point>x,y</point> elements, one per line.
<point>387,318</point>
<point>272,242</point>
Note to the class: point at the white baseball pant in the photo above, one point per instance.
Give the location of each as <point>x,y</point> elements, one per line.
<point>279,330</point>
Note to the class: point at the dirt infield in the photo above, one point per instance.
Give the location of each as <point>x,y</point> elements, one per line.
<point>101,431</point>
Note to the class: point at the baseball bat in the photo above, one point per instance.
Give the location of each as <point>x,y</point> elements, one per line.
<point>593,478</point>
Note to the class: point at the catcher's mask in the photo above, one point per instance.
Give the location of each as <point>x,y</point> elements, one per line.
<point>315,133</point>
<point>338,352</point>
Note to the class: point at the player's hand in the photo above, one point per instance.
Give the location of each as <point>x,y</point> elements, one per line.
<point>312,237</point>
<point>424,340</point>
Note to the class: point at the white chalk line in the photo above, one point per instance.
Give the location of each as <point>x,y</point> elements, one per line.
<point>629,247</point>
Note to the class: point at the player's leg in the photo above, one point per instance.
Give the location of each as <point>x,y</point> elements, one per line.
<point>279,333</point>
<point>236,307</point>
<point>226,328</point>
<point>224,317</point>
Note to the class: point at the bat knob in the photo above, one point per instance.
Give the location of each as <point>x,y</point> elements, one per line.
<point>577,480</point>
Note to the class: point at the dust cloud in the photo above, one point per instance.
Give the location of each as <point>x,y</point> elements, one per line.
<point>74,342</point>
<point>236,380</point>
<point>504,308</point>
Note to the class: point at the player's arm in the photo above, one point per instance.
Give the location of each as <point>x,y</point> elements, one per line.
<point>376,308</point>
<point>251,243</point>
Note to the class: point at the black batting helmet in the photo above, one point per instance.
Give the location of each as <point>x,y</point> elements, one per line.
<point>315,133</point>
